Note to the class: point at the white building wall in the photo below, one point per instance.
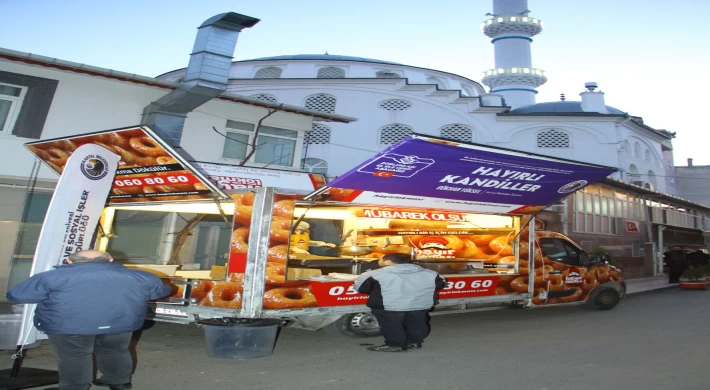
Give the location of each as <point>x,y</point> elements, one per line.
<point>81,104</point>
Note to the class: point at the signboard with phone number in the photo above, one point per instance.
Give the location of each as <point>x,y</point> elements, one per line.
<point>343,294</point>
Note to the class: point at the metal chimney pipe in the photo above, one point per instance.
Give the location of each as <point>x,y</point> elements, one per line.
<point>207,76</point>
<point>690,162</point>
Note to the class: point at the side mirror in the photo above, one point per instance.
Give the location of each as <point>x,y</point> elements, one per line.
<point>601,258</point>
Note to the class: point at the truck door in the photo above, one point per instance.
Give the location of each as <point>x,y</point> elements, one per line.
<point>566,277</point>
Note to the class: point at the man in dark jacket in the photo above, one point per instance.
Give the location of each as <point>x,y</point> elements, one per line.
<point>677,263</point>
<point>90,305</point>
<point>401,296</point>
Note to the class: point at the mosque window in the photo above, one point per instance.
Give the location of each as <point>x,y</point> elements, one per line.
<point>637,150</point>
<point>439,82</point>
<point>553,138</point>
<point>468,91</point>
<point>647,156</point>
<point>319,135</point>
<point>395,104</point>
<point>627,147</point>
<point>391,134</point>
<point>457,132</point>
<point>331,72</point>
<point>315,165</point>
<point>387,74</point>
<point>265,97</point>
<point>271,72</point>
<point>321,102</point>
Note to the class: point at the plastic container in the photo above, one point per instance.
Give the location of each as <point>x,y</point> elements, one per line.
<point>240,338</point>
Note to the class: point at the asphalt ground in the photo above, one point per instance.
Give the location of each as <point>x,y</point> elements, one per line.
<point>650,341</point>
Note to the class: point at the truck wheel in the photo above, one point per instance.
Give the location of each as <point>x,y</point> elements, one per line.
<point>606,299</point>
<point>354,325</point>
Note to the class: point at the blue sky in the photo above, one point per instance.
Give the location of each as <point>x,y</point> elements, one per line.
<point>650,57</point>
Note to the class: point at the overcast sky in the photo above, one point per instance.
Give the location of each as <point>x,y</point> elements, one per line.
<point>650,57</point>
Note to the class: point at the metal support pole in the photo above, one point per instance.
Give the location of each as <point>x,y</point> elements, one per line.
<point>255,273</point>
<point>658,267</point>
<point>531,256</point>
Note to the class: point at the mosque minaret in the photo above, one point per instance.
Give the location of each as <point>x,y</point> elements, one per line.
<point>511,30</point>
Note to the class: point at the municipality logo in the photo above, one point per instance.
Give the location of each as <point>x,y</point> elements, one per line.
<point>573,186</point>
<point>94,167</point>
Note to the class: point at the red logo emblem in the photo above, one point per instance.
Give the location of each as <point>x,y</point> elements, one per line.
<point>631,226</point>
<point>383,174</point>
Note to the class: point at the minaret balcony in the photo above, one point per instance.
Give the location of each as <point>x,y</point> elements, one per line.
<point>512,25</point>
<point>520,76</point>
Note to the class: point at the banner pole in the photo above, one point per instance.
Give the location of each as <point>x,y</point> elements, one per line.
<point>17,364</point>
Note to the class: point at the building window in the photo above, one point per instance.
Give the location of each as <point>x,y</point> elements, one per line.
<point>457,132</point>
<point>331,72</point>
<point>468,91</point>
<point>599,210</point>
<point>29,227</point>
<point>637,150</point>
<point>391,134</point>
<point>24,104</point>
<point>647,155</point>
<point>265,97</point>
<point>627,148</point>
<point>395,104</point>
<point>319,135</point>
<point>387,74</point>
<point>321,102</point>
<point>553,138</point>
<point>633,175</point>
<point>315,165</point>
<point>271,72</point>
<point>11,97</point>
<point>274,146</point>
<point>652,180</point>
<point>439,82</point>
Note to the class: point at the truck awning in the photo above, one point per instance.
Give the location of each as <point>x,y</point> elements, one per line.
<point>424,171</point>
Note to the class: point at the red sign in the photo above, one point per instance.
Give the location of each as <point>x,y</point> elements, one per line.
<point>168,179</point>
<point>463,287</point>
<point>337,294</point>
<point>343,294</point>
<point>413,215</point>
<point>149,169</point>
<point>632,226</point>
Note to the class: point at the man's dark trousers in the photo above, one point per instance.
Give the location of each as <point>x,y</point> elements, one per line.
<point>401,328</point>
<point>76,365</point>
<point>675,271</point>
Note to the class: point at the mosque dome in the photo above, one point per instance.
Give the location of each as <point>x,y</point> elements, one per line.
<point>321,57</point>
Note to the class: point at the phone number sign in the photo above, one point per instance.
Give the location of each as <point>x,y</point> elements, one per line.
<point>344,294</point>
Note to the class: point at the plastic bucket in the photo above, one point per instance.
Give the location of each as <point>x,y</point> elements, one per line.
<point>240,338</point>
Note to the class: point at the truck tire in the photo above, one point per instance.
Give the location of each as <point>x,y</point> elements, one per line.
<point>606,299</point>
<point>354,325</point>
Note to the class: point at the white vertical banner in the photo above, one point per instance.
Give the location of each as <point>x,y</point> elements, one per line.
<point>72,216</point>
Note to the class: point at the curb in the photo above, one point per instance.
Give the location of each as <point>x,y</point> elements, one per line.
<point>652,290</point>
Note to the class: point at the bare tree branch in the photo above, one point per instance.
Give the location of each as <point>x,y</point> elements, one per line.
<point>257,128</point>
<point>182,237</point>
